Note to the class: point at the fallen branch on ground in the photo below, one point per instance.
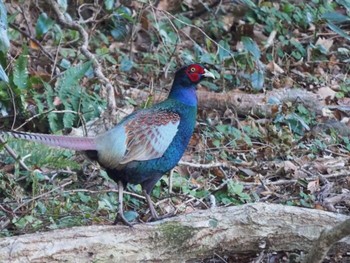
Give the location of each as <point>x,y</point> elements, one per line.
<point>195,235</point>
<point>244,103</point>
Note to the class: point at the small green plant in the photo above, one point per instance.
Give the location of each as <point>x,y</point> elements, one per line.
<point>234,195</point>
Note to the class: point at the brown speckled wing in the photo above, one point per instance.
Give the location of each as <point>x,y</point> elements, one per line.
<point>149,134</point>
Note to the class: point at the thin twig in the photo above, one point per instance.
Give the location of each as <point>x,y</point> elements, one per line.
<point>80,115</point>
<point>32,39</point>
<point>7,222</point>
<point>199,29</point>
<point>203,166</point>
<point>105,191</point>
<point>13,154</point>
<point>85,51</point>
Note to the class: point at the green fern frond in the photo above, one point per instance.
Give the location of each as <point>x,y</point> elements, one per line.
<point>20,73</point>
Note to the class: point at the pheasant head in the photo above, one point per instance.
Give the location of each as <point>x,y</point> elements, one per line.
<point>185,82</point>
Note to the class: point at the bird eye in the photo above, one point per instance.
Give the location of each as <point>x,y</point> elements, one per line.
<point>192,70</point>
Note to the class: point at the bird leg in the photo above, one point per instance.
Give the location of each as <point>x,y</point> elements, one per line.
<point>150,205</point>
<point>120,209</point>
<point>147,187</point>
<point>153,211</point>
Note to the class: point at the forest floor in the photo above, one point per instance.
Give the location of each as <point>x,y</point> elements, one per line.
<point>276,129</point>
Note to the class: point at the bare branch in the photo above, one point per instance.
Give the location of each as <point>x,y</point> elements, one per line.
<point>85,51</point>
<point>13,154</point>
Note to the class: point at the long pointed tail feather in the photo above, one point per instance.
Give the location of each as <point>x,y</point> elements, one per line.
<point>68,142</point>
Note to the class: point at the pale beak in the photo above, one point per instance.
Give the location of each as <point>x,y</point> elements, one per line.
<point>208,74</point>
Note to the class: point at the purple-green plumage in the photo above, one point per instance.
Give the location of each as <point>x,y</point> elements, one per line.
<point>145,144</point>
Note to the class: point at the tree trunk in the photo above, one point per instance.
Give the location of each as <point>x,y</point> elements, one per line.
<point>246,228</point>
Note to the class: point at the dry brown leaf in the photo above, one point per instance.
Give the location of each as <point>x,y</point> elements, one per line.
<point>170,5</point>
<point>324,42</point>
<point>344,101</point>
<point>266,193</point>
<point>313,186</point>
<point>327,113</point>
<point>33,45</point>
<point>57,101</point>
<point>274,68</point>
<point>183,170</point>
<point>218,172</point>
<point>320,167</point>
<point>299,174</point>
<point>326,93</point>
<point>319,207</point>
<point>271,39</point>
<point>247,171</point>
<point>290,167</point>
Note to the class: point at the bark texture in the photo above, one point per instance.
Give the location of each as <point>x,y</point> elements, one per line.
<point>246,228</point>
<point>262,104</point>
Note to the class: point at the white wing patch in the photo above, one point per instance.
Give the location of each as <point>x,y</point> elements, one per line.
<point>164,136</point>
<point>111,147</point>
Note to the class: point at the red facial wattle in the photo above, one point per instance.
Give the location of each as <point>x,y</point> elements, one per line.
<point>194,72</point>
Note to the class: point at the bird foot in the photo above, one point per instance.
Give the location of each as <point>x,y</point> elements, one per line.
<point>121,218</point>
<point>157,217</point>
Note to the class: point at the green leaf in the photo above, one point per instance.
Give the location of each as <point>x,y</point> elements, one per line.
<point>345,3</point>
<point>223,50</point>
<point>338,30</point>
<point>53,121</point>
<point>298,46</point>
<point>4,40</point>
<point>67,86</point>
<point>83,197</point>
<point>130,215</point>
<point>208,58</point>
<point>65,63</point>
<point>119,33</point>
<point>335,17</point>
<point>251,46</point>
<point>109,4</point>
<point>216,143</point>
<point>223,128</point>
<point>20,73</point>
<point>3,75</point>
<point>73,98</point>
<point>43,25</point>
<point>294,116</point>
<point>226,201</point>
<point>120,20</point>
<point>210,85</point>
<point>247,140</point>
<point>235,188</point>
<point>72,76</point>
<point>63,5</point>
<point>258,79</point>
<point>288,8</point>
<point>52,117</point>
<point>105,176</point>
<point>126,64</point>
<point>38,175</point>
<point>68,119</point>
<point>124,12</point>
<point>184,20</point>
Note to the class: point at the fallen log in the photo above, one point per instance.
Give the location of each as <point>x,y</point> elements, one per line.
<point>246,228</point>
<point>261,104</point>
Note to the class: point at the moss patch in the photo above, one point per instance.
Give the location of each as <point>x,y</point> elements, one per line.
<point>176,234</point>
